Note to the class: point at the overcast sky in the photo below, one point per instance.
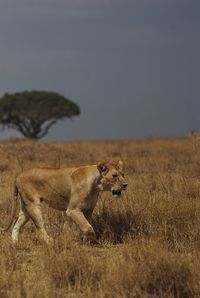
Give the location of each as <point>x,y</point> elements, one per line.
<point>133,66</point>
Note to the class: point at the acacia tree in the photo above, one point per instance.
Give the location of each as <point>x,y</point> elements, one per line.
<point>34,112</point>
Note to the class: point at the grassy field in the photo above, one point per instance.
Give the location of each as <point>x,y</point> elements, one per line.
<point>148,240</point>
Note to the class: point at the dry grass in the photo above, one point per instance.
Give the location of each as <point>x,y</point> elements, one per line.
<point>148,241</point>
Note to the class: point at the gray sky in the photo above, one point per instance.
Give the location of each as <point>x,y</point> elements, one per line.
<point>133,66</point>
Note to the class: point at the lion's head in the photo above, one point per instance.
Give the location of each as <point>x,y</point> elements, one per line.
<point>112,177</point>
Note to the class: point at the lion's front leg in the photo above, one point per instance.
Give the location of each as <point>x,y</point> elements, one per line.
<point>78,217</point>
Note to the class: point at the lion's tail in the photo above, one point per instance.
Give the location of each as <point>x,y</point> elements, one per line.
<point>13,211</point>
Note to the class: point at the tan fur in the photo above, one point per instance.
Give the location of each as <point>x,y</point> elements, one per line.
<point>74,190</point>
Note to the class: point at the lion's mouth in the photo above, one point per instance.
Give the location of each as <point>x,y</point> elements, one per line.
<point>116,193</point>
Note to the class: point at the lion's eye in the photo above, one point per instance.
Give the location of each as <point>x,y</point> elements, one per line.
<point>115,175</point>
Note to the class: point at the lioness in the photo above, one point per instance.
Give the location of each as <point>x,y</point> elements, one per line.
<point>74,190</point>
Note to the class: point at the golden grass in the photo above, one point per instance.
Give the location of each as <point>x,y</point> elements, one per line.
<point>148,241</point>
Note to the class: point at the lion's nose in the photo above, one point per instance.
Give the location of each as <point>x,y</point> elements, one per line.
<point>125,185</point>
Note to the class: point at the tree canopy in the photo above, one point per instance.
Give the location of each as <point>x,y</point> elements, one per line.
<point>34,112</point>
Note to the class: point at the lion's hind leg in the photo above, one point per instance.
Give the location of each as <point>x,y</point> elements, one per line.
<point>21,221</point>
<point>35,213</point>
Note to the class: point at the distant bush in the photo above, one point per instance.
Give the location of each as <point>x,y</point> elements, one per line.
<point>32,113</point>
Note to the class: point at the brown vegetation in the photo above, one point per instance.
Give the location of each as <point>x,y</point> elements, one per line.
<point>148,241</point>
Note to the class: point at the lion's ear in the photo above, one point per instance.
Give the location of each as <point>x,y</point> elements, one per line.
<point>102,167</point>
<point>120,165</point>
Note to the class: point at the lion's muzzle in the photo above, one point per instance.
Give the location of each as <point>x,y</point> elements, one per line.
<point>116,193</point>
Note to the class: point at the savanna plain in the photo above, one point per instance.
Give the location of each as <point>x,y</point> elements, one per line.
<point>148,241</point>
